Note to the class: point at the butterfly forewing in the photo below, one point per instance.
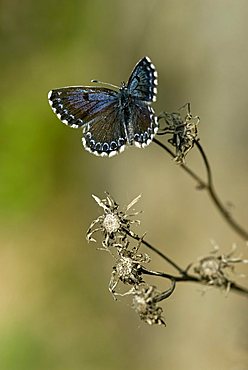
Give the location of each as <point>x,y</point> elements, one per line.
<point>76,106</point>
<point>143,81</point>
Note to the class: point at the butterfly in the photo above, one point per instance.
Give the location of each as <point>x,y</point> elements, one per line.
<point>111,118</point>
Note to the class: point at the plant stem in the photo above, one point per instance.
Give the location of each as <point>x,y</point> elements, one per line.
<point>209,187</point>
<point>213,195</point>
<point>235,288</point>
<point>157,251</point>
<point>183,276</point>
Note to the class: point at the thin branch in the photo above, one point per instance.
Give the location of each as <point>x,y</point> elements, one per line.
<point>201,183</point>
<point>184,275</point>
<point>208,186</point>
<point>157,251</point>
<point>219,205</point>
<point>235,288</point>
<point>238,289</point>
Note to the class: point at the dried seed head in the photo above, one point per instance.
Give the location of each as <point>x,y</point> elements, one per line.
<point>145,304</point>
<point>124,267</point>
<point>111,223</point>
<point>128,268</point>
<point>211,271</point>
<point>140,304</point>
<point>216,268</point>
<point>209,267</point>
<point>183,130</point>
<point>128,271</point>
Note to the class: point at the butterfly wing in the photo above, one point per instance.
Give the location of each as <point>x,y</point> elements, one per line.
<point>76,106</point>
<point>105,135</point>
<point>96,110</point>
<point>142,83</point>
<point>144,124</point>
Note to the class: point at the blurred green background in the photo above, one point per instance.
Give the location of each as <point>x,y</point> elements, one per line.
<point>56,312</point>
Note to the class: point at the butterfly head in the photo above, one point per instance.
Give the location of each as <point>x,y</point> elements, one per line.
<point>123,87</point>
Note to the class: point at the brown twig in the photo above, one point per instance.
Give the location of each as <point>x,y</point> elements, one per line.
<point>184,275</point>
<point>213,195</point>
<point>209,187</point>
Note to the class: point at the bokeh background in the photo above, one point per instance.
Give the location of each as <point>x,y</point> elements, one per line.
<point>55,309</point>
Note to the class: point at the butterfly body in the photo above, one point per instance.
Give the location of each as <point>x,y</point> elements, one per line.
<point>111,119</point>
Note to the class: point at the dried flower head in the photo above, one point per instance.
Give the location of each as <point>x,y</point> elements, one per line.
<point>113,224</point>
<point>128,268</point>
<point>211,271</point>
<point>183,130</point>
<point>215,269</point>
<point>145,304</point>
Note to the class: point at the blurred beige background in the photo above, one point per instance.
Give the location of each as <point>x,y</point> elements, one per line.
<point>55,309</point>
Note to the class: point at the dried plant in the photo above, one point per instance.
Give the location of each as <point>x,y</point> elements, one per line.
<point>114,228</point>
<point>130,268</point>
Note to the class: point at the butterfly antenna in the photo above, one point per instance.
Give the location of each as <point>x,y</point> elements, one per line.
<point>105,83</point>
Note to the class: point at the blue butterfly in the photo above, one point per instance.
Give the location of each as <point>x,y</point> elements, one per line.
<point>111,119</point>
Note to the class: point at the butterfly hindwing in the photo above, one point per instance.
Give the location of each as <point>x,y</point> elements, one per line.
<point>105,134</point>
<point>144,124</point>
